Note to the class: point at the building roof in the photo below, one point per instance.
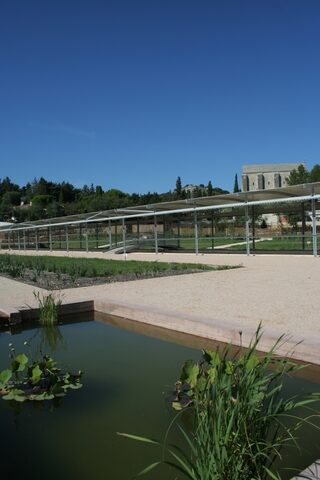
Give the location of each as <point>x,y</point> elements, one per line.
<point>270,167</point>
<point>294,193</point>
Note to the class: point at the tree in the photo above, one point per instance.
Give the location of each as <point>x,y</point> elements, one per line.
<point>209,189</point>
<point>298,176</point>
<point>236,188</point>
<point>178,187</point>
<point>315,173</point>
<point>99,190</point>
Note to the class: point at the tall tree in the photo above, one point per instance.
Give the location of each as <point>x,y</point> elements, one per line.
<point>315,173</point>
<point>298,176</point>
<point>209,189</point>
<point>236,188</point>
<point>178,187</point>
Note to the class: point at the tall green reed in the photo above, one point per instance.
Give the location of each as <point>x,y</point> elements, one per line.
<point>240,419</point>
<point>48,307</point>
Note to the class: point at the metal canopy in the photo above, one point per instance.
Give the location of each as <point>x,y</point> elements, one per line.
<point>295,193</point>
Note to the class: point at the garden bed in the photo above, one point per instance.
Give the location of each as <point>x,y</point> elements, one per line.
<point>55,273</point>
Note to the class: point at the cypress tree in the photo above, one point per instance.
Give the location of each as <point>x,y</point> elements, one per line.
<point>236,188</point>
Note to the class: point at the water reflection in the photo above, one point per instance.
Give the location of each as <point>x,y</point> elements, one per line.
<point>50,337</point>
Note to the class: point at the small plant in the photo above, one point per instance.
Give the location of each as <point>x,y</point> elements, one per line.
<point>238,415</point>
<point>48,308</point>
<point>37,380</point>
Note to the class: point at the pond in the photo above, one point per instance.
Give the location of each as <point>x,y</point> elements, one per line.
<point>127,376</point>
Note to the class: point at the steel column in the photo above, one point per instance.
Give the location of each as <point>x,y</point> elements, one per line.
<point>155,227</point>
<point>87,239</point>
<point>67,238</point>
<point>212,232</point>
<point>50,239</point>
<point>24,239</point>
<point>138,231</point>
<point>80,236</point>
<point>303,224</point>
<point>314,228</point>
<point>110,235</point>
<point>124,238</point>
<point>19,246</point>
<point>253,230</point>
<point>247,229</point>
<point>196,238</point>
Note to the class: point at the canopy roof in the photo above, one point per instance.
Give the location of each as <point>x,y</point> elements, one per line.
<point>294,193</point>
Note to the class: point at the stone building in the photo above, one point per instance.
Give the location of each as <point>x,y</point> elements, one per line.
<point>265,176</point>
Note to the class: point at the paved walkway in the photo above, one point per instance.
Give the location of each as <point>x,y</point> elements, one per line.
<point>281,291</point>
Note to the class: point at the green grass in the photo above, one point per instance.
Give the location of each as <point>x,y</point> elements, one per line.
<point>91,267</point>
<point>280,244</point>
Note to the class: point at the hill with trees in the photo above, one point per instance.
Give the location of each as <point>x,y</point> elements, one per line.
<point>41,198</point>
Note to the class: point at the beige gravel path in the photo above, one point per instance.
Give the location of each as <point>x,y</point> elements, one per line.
<point>281,291</point>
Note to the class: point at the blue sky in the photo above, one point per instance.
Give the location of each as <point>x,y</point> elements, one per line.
<point>131,94</point>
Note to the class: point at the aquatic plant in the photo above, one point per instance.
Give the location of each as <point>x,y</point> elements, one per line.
<point>48,307</point>
<point>35,380</point>
<point>239,416</point>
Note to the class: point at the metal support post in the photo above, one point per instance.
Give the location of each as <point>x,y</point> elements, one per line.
<point>67,238</point>
<point>50,239</point>
<point>97,236</point>
<point>247,229</point>
<point>212,232</point>
<point>110,235</point>
<point>303,224</point>
<point>314,228</point>
<point>87,239</point>
<point>19,246</point>
<point>9,240</point>
<point>196,238</point>
<point>138,231</point>
<point>24,239</point>
<point>124,239</point>
<point>37,239</point>
<point>179,233</point>
<point>253,230</point>
<point>155,227</point>
<point>80,236</point>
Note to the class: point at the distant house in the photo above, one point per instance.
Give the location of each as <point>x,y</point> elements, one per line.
<point>265,176</point>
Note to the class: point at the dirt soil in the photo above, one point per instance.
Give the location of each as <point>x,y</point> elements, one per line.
<point>59,281</point>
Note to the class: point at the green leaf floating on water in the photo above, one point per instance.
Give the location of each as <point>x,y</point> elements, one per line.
<point>36,375</point>
<point>15,394</point>
<point>19,363</point>
<point>40,380</point>
<point>5,376</point>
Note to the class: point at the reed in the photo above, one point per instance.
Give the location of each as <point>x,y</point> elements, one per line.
<point>240,420</point>
<point>48,308</point>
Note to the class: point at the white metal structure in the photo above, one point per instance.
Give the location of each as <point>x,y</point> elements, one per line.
<point>300,194</point>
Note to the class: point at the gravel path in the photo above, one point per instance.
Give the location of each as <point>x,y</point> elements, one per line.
<point>281,291</point>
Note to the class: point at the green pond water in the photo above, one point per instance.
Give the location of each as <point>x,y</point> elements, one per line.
<point>127,376</point>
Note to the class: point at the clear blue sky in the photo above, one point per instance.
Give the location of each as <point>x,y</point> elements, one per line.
<point>131,94</point>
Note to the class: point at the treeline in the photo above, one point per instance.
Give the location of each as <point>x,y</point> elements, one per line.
<point>302,175</point>
<point>45,199</point>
